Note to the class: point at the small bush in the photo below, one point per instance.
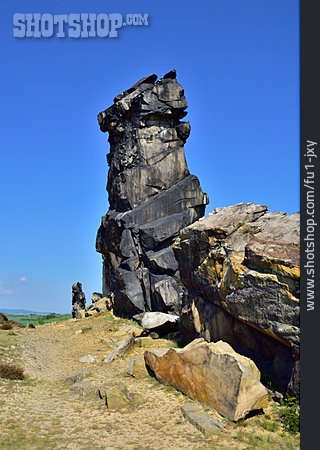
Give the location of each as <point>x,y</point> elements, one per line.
<point>290,415</point>
<point>6,326</point>
<point>11,372</point>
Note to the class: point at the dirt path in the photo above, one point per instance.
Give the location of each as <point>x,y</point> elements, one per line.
<point>42,413</point>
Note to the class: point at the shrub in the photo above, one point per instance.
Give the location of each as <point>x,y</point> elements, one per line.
<point>290,415</point>
<point>6,326</point>
<point>11,372</point>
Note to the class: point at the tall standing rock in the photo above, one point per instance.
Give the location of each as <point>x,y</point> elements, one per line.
<point>78,301</point>
<point>152,196</point>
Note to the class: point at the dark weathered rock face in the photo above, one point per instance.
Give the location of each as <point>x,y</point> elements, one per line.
<point>78,301</point>
<point>240,266</point>
<point>152,196</point>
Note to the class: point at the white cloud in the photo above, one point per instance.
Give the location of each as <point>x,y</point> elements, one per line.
<point>23,279</point>
<point>5,291</point>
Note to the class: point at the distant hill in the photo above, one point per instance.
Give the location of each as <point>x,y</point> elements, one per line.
<point>21,311</point>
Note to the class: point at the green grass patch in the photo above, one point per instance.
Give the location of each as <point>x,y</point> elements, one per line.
<point>38,319</point>
<point>269,425</point>
<point>289,414</point>
<point>280,441</point>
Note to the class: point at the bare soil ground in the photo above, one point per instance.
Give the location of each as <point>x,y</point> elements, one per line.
<point>41,412</point>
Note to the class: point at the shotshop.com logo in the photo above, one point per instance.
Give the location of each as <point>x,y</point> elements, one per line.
<point>74,25</point>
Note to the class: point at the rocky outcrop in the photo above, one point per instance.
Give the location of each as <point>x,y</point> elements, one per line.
<point>152,196</point>
<point>78,301</point>
<point>212,373</point>
<point>240,266</point>
<point>232,276</point>
<point>99,305</point>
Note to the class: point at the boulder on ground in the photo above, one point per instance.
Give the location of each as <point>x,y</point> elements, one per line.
<point>212,373</point>
<point>128,331</point>
<point>137,368</point>
<point>160,323</point>
<point>195,414</point>
<point>117,397</point>
<point>123,348</point>
<point>86,389</point>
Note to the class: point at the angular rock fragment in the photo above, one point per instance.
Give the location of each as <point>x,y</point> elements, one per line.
<point>137,368</point>
<point>195,414</point>
<point>85,388</point>
<point>128,331</point>
<point>122,349</point>
<point>118,397</point>
<point>152,195</point>
<point>212,373</point>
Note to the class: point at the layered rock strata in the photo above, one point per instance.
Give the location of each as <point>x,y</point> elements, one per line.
<point>152,196</point>
<point>240,266</point>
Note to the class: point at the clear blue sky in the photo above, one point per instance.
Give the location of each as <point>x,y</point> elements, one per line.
<point>239,64</point>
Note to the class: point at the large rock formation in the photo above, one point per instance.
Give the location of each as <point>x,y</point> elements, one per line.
<point>240,266</point>
<point>212,373</point>
<point>232,276</point>
<point>152,196</point>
